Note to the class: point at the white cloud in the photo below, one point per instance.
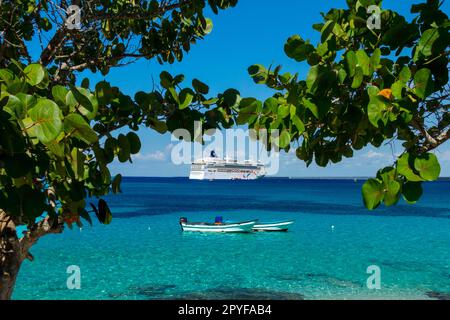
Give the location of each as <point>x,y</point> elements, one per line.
<point>158,155</point>
<point>169,147</point>
<point>373,154</point>
<point>444,156</point>
<point>154,156</point>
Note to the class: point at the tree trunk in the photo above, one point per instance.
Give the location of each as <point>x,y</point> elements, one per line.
<point>10,256</point>
<point>13,251</point>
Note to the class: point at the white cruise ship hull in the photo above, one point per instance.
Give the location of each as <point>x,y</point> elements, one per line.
<point>205,175</point>
<point>213,168</point>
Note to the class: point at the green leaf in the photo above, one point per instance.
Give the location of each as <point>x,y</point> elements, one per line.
<point>342,75</point>
<point>248,110</point>
<point>82,100</point>
<point>397,89</point>
<point>174,94</point>
<point>104,213</point>
<point>392,193</point>
<point>6,75</point>
<point>75,125</point>
<point>326,31</point>
<point>296,48</point>
<point>210,102</point>
<point>312,79</point>
<point>284,139</point>
<point>231,97</point>
<point>166,79</point>
<point>59,93</point>
<point>375,61</point>
<point>372,91</point>
<point>85,83</point>
<point>46,116</point>
<point>321,157</point>
<point>207,28</point>
<point>405,74</point>
<point>428,166</point>
<point>423,83</point>
<point>159,126</point>
<point>284,110</point>
<point>427,42</point>
<point>200,87</point>
<point>363,62</point>
<point>375,110</point>
<point>258,73</point>
<point>312,107</point>
<point>358,78</point>
<point>34,73</point>
<point>28,101</point>
<point>135,142</point>
<point>351,61</point>
<point>298,124</point>
<point>116,184</point>
<point>85,215</point>
<point>186,97</point>
<point>103,92</point>
<point>77,159</point>
<point>124,145</point>
<point>373,193</point>
<point>57,148</point>
<point>404,168</point>
<point>15,107</point>
<point>412,191</point>
<point>270,105</point>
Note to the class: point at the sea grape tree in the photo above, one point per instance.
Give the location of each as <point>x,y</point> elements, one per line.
<point>365,86</point>
<point>58,134</point>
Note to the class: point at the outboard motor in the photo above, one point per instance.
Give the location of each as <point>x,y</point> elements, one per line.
<point>218,220</point>
<point>183,220</point>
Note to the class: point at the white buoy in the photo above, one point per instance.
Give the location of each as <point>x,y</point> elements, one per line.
<point>332,227</point>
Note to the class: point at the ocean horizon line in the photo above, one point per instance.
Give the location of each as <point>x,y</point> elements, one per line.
<point>283,177</point>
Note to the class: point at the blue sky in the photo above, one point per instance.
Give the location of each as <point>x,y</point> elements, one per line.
<point>252,32</point>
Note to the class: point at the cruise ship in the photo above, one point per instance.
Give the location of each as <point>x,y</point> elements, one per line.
<point>214,168</point>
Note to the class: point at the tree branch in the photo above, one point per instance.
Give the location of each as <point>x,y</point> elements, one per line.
<point>59,38</point>
<point>430,140</point>
<point>440,139</point>
<point>39,229</point>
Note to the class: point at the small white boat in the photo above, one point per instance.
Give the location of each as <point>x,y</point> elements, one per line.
<point>218,227</point>
<point>273,226</point>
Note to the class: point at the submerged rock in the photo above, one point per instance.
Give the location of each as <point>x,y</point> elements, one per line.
<point>334,281</point>
<point>438,295</point>
<point>149,291</point>
<point>241,294</point>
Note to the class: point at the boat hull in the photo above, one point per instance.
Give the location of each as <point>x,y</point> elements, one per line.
<point>239,227</point>
<point>273,226</point>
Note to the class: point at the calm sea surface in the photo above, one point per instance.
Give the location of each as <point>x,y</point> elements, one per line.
<point>143,254</point>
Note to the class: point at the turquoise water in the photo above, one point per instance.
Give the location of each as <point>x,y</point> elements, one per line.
<point>143,254</point>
